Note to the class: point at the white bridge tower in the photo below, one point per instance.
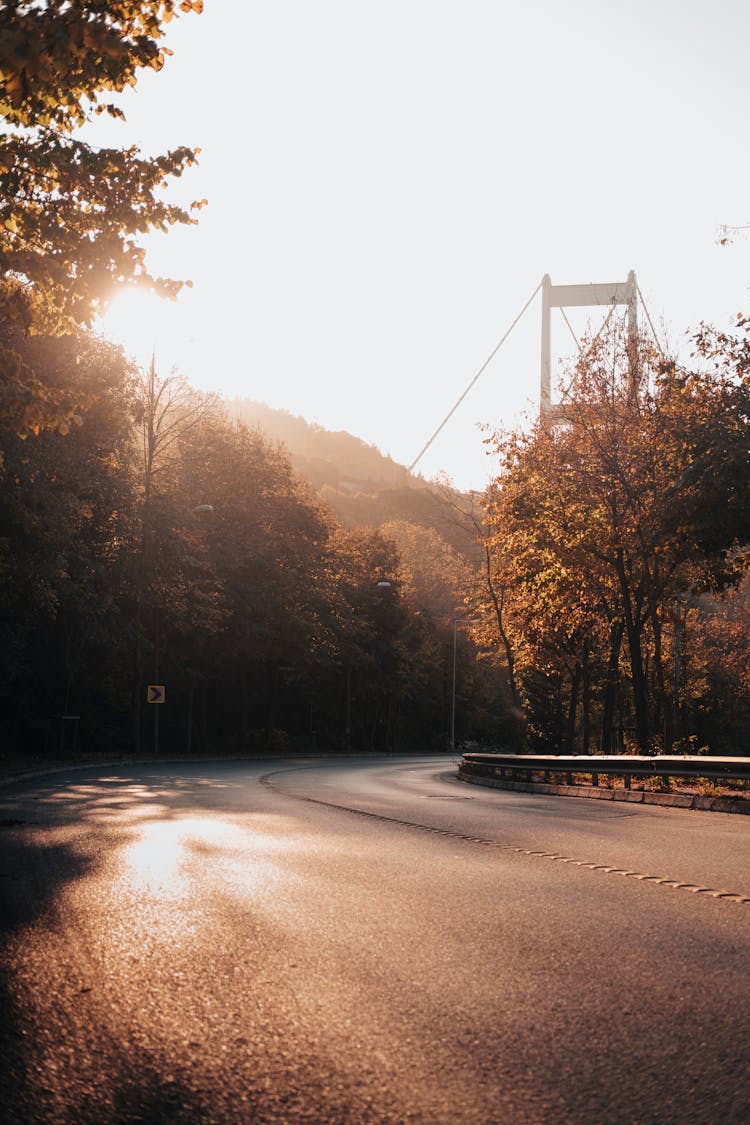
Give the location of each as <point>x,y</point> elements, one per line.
<point>578,296</point>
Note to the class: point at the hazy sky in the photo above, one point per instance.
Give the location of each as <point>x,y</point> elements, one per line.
<point>388,182</point>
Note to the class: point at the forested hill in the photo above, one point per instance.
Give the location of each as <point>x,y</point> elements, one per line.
<point>364,487</point>
<point>324,457</point>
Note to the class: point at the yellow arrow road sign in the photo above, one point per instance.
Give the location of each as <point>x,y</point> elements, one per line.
<point>156,693</point>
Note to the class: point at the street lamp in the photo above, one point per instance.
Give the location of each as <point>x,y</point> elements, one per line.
<point>381,584</point>
<point>456,622</point>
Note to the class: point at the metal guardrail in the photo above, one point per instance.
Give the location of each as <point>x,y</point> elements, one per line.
<point>627,766</point>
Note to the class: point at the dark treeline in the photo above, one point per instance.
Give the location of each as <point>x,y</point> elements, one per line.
<point>595,597</point>
<point>599,601</point>
<point>144,537</point>
<point>153,541</point>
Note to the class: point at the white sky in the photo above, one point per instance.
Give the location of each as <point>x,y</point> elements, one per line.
<point>388,182</point>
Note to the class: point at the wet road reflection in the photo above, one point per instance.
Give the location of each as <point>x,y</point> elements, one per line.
<point>194,946</point>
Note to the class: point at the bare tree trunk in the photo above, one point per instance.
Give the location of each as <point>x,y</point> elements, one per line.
<point>640,692</point>
<point>203,716</point>
<point>244,705</point>
<point>190,709</point>
<point>586,703</point>
<point>634,631</point>
<point>570,730</point>
<point>663,711</point>
<point>273,702</point>
<point>498,603</point>
<point>559,719</point>
<point>677,670</point>
<point>136,688</point>
<point>610,688</point>
<point>348,707</point>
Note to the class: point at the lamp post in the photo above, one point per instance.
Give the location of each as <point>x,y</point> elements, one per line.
<point>381,584</point>
<point>456,622</point>
<point>453,691</point>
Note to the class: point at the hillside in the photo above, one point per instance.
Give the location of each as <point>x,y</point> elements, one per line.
<point>363,487</point>
<point>324,457</point>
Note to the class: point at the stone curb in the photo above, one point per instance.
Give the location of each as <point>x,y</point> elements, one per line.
<point>637,796</point>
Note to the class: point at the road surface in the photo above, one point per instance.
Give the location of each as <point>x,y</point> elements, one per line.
<point>366,941</point>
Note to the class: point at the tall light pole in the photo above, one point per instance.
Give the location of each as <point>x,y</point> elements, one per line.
<point>453,692</point>
<point>456,622</point>
<point>381,584</point>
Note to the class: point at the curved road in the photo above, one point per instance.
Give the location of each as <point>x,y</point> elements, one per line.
<point>366,941</point>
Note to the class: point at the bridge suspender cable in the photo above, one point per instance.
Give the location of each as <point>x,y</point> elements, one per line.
<point>488,360</point>
<point>650,322</point>
<point>497,347</point>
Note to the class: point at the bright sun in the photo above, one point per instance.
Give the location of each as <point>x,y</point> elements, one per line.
<point>144,323</point>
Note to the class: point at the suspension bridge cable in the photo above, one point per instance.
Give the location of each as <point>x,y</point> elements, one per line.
<point>486,363</point>
<point>605,322</point>
<point>648,318</point>
<point>570,326</point>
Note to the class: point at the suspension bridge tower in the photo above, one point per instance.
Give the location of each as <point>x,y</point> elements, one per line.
<point>564,297</point>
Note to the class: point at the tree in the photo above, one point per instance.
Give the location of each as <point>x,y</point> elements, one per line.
<point>634,496</point>
<point>715,667</point>
<point>69,524</point>
<point>72,217</point>
<point>166,411</point>
<point>365,617</point>
<point>433,576</point>
<point>433,582</point>
<point>491,601</point>
<point>267,543</point>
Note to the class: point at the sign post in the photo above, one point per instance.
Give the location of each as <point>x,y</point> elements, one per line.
<point>156,693</point>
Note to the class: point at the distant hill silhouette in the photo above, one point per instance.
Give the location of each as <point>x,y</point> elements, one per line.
<point>363,487</point>
<point>324,457</point>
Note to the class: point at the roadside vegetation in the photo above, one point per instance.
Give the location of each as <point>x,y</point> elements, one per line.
<point>595,598</point>
<point>617,551</point>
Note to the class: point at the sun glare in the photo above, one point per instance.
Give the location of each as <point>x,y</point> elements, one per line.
<point>144,324</point>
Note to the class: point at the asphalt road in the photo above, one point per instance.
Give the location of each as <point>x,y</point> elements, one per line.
<point>231,943</point>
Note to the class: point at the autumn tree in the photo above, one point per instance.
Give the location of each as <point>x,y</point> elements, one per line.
<point>367,621</point>
<point>633,495</point>
<point>544,618</point>
<point>433,581</point>
<point>73,216</point>
<point>266,538</point>
<point>434,576</point>
<point>714,673</point>
<point>490,599</point>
